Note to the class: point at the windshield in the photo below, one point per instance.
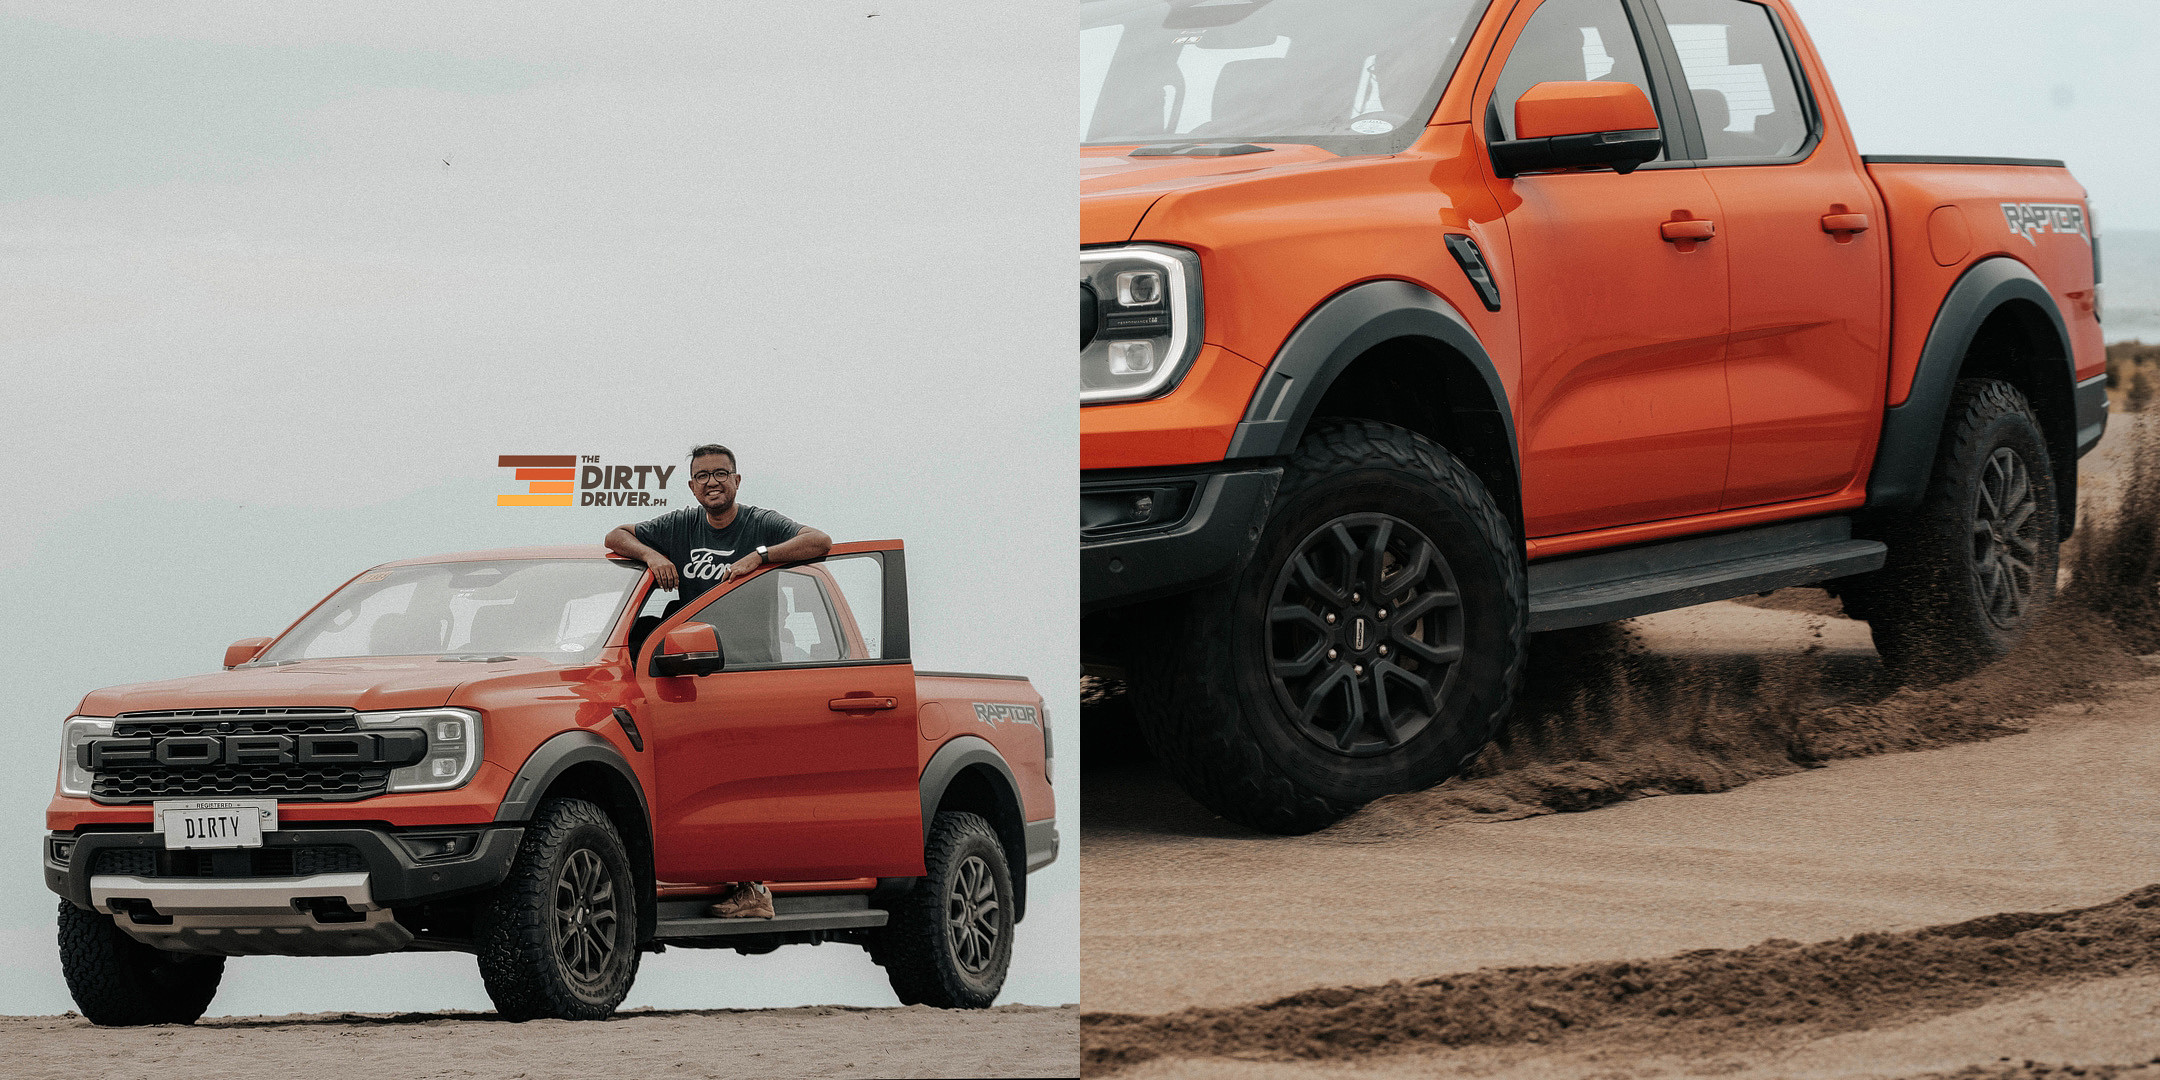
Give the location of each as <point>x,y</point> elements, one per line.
<point>1358,78</point>
<point>555,609</point>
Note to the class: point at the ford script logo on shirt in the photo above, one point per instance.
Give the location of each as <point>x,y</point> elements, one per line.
<point>707,564</point>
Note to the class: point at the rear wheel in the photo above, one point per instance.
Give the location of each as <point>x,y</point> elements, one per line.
<point>950,938</point>
<point>1975,564</point>
<point>558,938</point>
<point>1371,646</point>
<point>118,981</point>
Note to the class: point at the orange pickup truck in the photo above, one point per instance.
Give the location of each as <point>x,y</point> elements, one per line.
<point>1413,326</point>
<point>528,755</point>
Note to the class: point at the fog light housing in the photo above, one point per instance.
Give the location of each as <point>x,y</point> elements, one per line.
<point>1123,509</point>
<point>438,845</point>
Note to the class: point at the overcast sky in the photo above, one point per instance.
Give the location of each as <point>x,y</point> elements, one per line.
<point>2071,79</point>
<point>279,282</point>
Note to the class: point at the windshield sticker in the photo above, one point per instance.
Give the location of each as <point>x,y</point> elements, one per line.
<point>372,575</point>
<point>2025,219</point>
<point>991,712</point>
<point>1372,127</point>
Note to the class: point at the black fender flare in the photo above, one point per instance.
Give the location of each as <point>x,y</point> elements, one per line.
<point>1912,431</point>
<point>559,755</point>
<point>556,757</point>
<point>1334,335</point>
<point>964,752</point>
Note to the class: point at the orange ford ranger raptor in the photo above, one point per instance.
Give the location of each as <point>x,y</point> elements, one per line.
<point>1410,327</point>
<point>525,755</point>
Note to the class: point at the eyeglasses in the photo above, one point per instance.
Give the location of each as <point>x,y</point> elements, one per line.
<point>716,476</point>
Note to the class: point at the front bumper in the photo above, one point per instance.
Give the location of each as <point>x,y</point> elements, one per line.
<point>394,868</point>
<point>1199,528</point>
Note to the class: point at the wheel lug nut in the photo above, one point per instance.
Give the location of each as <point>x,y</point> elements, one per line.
<point>1383,650</point>
<point>1382,613</point>
<point>1331,654</point>
<point>1331,618</point>
<point>1354,598</point>
<point>1357,669</point>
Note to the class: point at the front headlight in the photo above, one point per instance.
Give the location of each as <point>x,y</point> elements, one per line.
<point>74,775</point>
<point>453,747</point>
<point>1139,320</point>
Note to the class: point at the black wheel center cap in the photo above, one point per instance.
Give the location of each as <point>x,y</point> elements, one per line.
<point>1361,634</point>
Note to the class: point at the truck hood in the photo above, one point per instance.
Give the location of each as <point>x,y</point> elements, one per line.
<point>1116,190</point>
<point>366,684</point>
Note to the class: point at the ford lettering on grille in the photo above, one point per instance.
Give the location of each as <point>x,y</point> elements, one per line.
<point>393,748</point>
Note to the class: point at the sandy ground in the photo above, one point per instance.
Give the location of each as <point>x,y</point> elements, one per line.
<point>824,1041</point>
<point>2107,1021</point>
<point>1182,910</point>
<point>2064,815</point>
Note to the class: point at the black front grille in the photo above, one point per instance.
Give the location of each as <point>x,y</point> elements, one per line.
<point>320,782</point>
<point>232,863</point>
<point>235,722</point>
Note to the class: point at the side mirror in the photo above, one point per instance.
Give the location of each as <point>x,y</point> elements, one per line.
<point>1562,125</point>
<point>244,650</point>
<point>689,649</point>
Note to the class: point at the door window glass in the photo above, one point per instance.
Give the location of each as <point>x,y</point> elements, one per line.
<point>1746,95</point>
<point>861,579</point>
<point>1570,41</point>
<point>776,618</point>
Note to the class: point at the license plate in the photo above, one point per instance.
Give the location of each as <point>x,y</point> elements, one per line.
<point>216,823</point>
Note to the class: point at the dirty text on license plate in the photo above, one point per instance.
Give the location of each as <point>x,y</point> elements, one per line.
<point>215,823</point>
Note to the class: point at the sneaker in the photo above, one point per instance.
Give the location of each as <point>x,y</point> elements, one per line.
<point>744,900</point>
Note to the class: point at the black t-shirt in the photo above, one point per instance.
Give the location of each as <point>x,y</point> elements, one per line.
<point>700,552</point>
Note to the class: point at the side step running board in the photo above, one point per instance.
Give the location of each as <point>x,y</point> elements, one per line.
<point>1608,585</point>
<point>790,913</point>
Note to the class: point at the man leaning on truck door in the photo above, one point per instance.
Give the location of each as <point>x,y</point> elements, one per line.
<point>695,548</point>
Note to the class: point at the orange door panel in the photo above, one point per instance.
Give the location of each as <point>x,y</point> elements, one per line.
<point>1623,414</point>
<point>1806,362</point>
<point>798,761</point>
<point>761,779</point>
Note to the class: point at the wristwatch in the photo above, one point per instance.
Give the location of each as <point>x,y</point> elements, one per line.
<point>761,555</point>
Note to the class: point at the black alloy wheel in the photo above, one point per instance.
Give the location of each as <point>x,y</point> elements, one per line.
<point>1364,631</point>
<point>558,938</point>
<point>1370,645</point>
<point>973,916</point>
<point>587,924</point>
<point>1972,565</point>
<point>2006,523</point>
<point>949,940</point>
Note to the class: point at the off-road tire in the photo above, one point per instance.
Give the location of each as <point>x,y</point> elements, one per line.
<point>528,958</point>
<point>1202,686</point>
<point>925,948</point>
<point>1929,606</point>
<point>118,981</point>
